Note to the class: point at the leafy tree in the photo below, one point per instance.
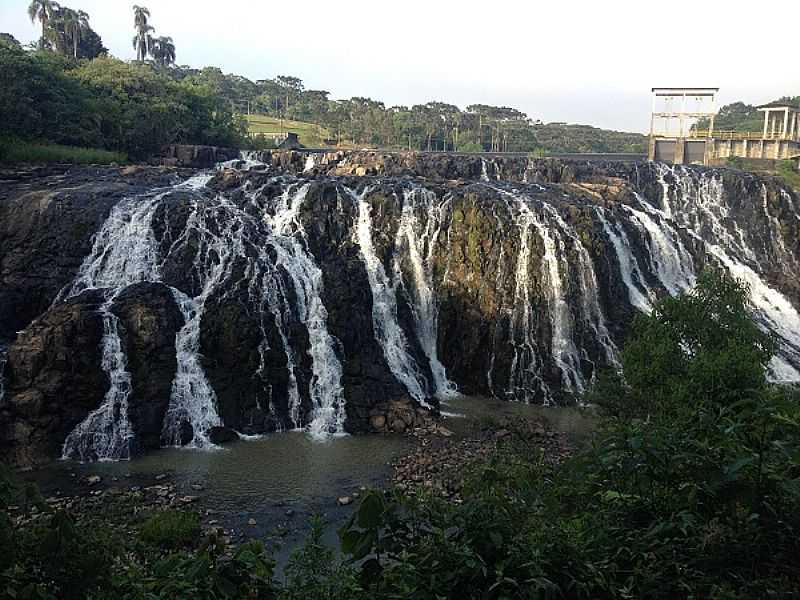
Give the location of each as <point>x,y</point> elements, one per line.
<point>40,100</point>
<point>7,39</point>
<point>700,347</point>
<point>292,87</point>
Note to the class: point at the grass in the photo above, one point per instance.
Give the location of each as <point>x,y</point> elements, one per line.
<point>785,169</point>
<point>310,134</point>
<point>18,151</point>
<point>790,174</point>
<point>171,529</point>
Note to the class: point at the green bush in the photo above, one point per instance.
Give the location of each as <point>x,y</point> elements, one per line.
<point>171,529</point>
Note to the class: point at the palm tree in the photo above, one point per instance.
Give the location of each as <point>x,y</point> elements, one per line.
<point>42,11</point>
<point>141,41</point>
<point>163,51</point>
<point>83,27</point>
<point>75,24</point>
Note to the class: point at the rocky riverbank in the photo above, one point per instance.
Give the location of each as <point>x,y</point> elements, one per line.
<point>441,459</point>
<point>436,461</point>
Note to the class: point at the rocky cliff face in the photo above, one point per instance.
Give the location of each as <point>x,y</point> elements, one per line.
<point>351,292</point>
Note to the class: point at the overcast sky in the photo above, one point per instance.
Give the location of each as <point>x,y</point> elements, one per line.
<point>557,60</point>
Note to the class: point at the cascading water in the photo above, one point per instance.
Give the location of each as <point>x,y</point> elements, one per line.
<point>592,313</point>
<point>123,253</point>
<point>698,202</point>
<point>670,261</point>
<point>327,393</point>
<point>417,235</point>
<point>640,295</point>
<point>557,238</point>
<point>525,381</point>
<point>248,249</point>
<point>106,434</point>
<point>388,332</point>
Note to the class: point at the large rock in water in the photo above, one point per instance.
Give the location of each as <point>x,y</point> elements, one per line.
<point>53,380</point>
<point>354,291</point>
<point>149,320</point>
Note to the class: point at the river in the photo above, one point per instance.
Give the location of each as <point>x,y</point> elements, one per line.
<point>268,488</point>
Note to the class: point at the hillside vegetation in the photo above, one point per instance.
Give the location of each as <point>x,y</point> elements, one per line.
<point>69,91</point>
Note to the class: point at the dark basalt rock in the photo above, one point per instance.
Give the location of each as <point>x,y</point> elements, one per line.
<point>196,157</point>
<point>53,380</point>
<point>149,320</point>
<point>222,435</point>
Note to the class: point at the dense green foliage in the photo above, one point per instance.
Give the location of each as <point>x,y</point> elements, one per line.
<point>690,488</point>
<point>171,529</point>
<point>790,174</point>
<point>143,108</point>
<point>106,103</point>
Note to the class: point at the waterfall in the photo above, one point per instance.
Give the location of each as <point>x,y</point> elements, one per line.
<point>701,206</point>
<point>327,394</point>
<point>525,381</point>
<point>384,309</point>
<point>106,434</point>
<point>192,399</point>
<point>247,250</point>
<point>123,252</point>
<point>484,170</point>
<point>590,296</point>
<point>417,243</point>
<point>670,261</point>
<point>560,242</point>
<point>640,295</point>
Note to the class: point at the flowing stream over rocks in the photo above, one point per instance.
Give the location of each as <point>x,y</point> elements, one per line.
<point>347,293</point>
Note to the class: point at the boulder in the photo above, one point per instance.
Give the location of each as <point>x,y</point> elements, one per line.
<point>149,319</point>
<point>53,380</point>
<point>222,435</point>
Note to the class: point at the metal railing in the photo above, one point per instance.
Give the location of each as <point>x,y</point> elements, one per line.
<point>739,135</point>
<point>718,134</point>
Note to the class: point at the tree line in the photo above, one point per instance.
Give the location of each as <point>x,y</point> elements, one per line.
<point>433,126</point>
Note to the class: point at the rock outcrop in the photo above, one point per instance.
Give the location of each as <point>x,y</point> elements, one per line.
<point>196,157</point>
<point>149,320</point>
<point>53,380</point>
<point>353,291</point>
